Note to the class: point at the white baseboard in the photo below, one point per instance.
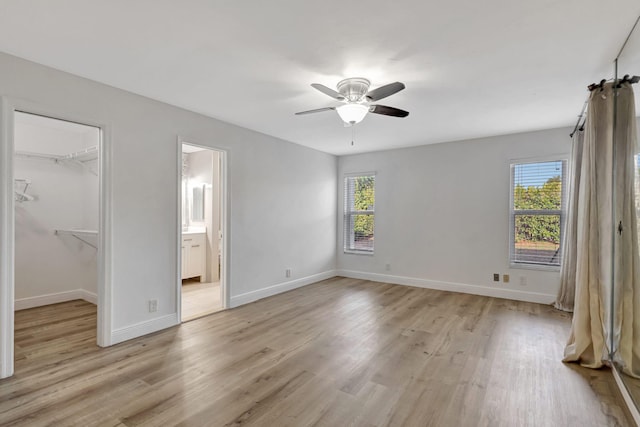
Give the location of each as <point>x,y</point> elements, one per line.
<point>89,296</point>
<point>144,328</point>
<point>627,397</point>
<point>40,300</point>
<point>252,296</point>
<point>449,286</point>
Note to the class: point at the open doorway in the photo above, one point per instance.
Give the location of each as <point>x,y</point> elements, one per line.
<point>56,221</point>
<point>202,284</point>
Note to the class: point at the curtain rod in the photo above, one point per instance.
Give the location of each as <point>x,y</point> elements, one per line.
<point>584,108</point>
<point>594,86</point>
<point>625,79</point>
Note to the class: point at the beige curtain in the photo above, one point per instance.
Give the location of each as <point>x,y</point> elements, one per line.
<point>566,295</point>
<point>587,342</point>
<point>626,331</point>
<point>590,341</point>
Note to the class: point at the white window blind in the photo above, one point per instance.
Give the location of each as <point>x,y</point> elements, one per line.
<point>537,212</point>
<point>359,213</point>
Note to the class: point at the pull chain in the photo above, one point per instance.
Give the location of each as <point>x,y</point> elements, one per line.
<point>353,132</point>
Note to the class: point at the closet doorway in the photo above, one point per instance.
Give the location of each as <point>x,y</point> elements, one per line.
<point>56,190</point>
<point>202,281</point>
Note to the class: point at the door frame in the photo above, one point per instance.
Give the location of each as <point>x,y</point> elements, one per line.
<point>8,107</point>
<point>225,259</point>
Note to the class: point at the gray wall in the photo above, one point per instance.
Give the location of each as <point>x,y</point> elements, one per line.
<point>282,195</point>
<point>442,215</point>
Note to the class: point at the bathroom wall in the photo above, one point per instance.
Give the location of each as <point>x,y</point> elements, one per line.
<point>51,268</point>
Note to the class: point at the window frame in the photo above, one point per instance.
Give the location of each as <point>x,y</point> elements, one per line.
<point>562,212</point>
<point>348,237</point>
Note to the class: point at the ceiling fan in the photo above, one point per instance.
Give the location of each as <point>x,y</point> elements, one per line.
<point>357,100</point>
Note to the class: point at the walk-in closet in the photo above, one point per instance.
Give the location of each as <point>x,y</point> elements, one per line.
<point>56,186</point>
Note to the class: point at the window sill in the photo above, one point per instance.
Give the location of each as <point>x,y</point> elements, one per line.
<point>353,252</point>
<point>540,267</point>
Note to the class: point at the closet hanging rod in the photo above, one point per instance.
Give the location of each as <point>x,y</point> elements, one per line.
<point>82,235</point>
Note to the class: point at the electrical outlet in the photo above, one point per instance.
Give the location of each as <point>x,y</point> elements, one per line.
<point>387,267</point>
<point>287,272</point>
<point>505,278</point>
<point>153,305</point>
<point>496,277</point>
<point>523,280</point>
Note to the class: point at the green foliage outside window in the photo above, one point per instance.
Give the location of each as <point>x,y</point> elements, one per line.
<point>363,200</point>
<point>538,228</point>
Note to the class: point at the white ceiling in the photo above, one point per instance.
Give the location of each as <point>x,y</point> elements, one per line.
<point>472,68</point>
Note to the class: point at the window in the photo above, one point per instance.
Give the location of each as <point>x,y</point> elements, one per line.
<point>537,212</point>
<point>359,208</point>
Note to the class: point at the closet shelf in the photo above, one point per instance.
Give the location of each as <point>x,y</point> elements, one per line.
<point>78,157</point>
<point>21,195</point>
<point>89,153</point>
<point>32,155</point>
<point>89,237</point>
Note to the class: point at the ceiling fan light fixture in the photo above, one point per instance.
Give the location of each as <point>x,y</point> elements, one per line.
<point>352,113</point>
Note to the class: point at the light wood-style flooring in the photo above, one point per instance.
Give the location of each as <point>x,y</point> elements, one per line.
<point>340,352</point>
<point>199,299</point>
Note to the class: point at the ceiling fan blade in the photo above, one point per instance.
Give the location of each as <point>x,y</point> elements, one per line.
<point>388,111</point>
<point>317,110</point>
<point>327,91</point>
<point>384,91</point>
